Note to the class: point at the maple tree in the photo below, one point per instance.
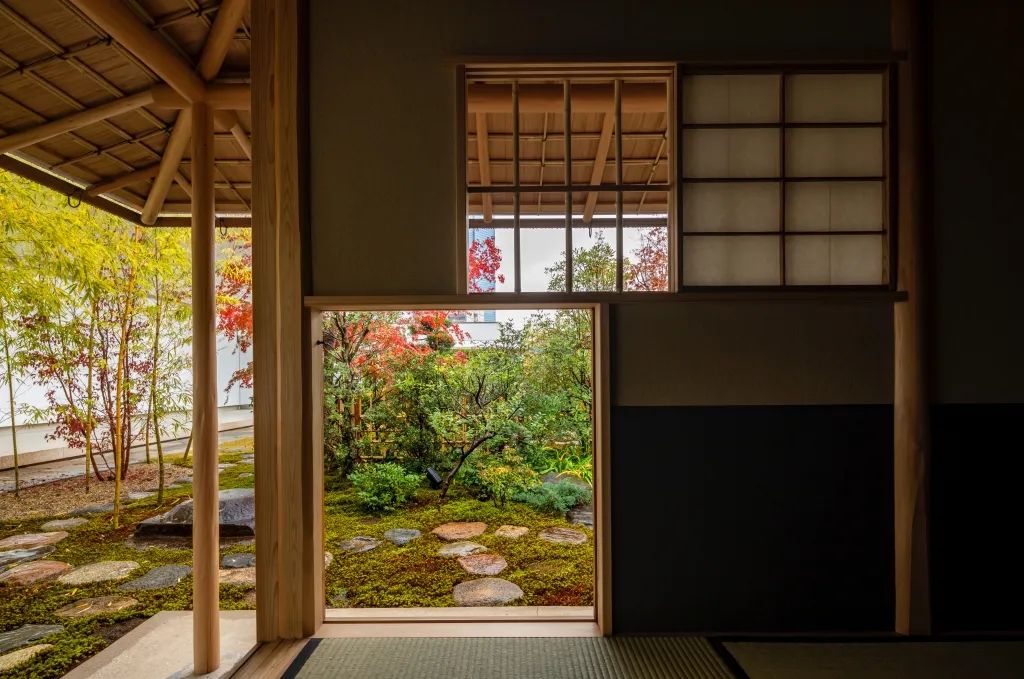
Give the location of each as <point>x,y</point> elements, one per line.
<point>647,269</point>
<point>234,296</point>
<point>484,263</point>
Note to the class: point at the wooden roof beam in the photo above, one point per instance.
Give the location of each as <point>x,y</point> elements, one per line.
<point>647,97</point>
<point>121,181</point>
<point>483,154</point>
<point>600,159</point>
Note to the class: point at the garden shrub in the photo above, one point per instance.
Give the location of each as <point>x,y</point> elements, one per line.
<point>384,486</point>
<point>555,498</point>
<point>505,477</point>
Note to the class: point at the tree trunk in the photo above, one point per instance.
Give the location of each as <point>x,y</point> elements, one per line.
<point>9,368</point>
<point>87,426</point>
<point>154,413</point>
<point>446,484</point>
<point>188,446</point>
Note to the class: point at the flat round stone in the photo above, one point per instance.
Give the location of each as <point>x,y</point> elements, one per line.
<point>511,532</point>
<point>32,540</point>
<point>459,530</point>
<point>22,655</point>
<point>158,578</point>
<point>21,555</point>
<point>242,577</point>
<point>359,544</point>
<point>566,536</point>
<point>483,564</point>
<point>101,571</point>
<point>238,560</point>
<point>26,634</point>
<point>402,536</point>
<point>30,573</point>
<point>486,592</point>
<point>100,605</point>
<point>64,524</point>
<point>461,549</point>
<point>89,510</point>
<point>582,516</point>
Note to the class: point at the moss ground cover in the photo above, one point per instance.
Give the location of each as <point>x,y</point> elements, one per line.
<point>409,576</point>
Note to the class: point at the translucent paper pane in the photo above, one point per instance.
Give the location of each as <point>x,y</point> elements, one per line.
<point>731,99</point>
<point>731,153</point>
<point>836,152</point>
<point>834,206</point>
<point>593,259</point>
<point>830,97</point>
<point>731,207</point>
<point>490,246</point>
<point>730,260</point>
<point>835,260</point>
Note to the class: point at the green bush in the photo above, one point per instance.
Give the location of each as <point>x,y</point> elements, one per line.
<point>384,486</point>
<point>505,477</point>
<point>555,498</point>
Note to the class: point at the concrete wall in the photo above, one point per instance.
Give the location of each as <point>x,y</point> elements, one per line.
<point>768,422</point>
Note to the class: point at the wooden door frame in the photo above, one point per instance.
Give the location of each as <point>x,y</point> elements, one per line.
<point>601,363</point>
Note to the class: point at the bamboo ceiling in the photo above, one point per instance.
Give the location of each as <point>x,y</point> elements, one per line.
<point>56,61</point>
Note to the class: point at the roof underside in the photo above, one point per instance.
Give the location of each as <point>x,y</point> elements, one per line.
<point>55,61</point>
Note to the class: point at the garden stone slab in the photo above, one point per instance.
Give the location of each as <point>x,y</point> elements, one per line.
<point>566,536</point>
<point>225,465</point>
<point>328,559</point>
<point>33,572</point>
<point>459,530</point>
<point>89,510</point>
<point>581,516</point>
<point>238,561</point>
<point>243,577</point>
<point>26,634</point>
<point>64,524</point>
<point>461,549</point>
<point>402,536</point>
<point>245,475</point>
<point>158,578</point>
<point>135,495</point>
<point>32,540</point>
<point>101,571</point>
<point>359,544</point>
<point>22,555</point>
<point>511,532</point>
<point>483,564</point>
<point>23,655</point>
<point>237,510</point>
<point>99,605</point>
<point>486,592</point>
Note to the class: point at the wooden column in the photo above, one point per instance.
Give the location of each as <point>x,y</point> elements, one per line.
<point>911,395</point>
<point>205,534</point>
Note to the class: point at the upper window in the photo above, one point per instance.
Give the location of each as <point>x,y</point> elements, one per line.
<point>558,199</point>
<point>782,179</point>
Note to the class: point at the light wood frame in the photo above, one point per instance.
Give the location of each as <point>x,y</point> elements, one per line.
<point>601,365</point>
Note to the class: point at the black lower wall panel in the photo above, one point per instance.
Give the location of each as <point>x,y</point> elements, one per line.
<point>752,519</point>
<point>977,518</point>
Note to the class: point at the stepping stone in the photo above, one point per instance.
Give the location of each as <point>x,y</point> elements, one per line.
<point>486,592</point>
<point>249,458</point>
<point>23,655</point>
<point>89,510</point>
<point>402,536</point>
<point>461,549</point>
<point>581,516</point>
<point>459,530</point>
<point>33,572</point>
<point>512,532</point>
<point>243,577</point>
<point>22,555</point>
<point>32,540</point>
<point>237,517</point>
<point>158,578</point>
<point>26,634</point>
<point>99,605</point>
<point>245,475</point>
<point>64,524</point>
<point>225,465</point>
<point>101,571</point>
<point>483,564</point>
<point>238,561</point>
<point>566,536</point>
<point>136,495</point>
<point>359,544</point>
<point>549,567</point>
<point>328,559</point>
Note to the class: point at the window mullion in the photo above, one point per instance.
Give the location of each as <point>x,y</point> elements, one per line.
<point>567,142</point>
<point>619,274</point>
<point>516,208</point>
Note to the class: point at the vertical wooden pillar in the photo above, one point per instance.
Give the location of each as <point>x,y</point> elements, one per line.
<point>205,535</point>
<point>911,395</point>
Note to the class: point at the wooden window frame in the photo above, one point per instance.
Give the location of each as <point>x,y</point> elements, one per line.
<point>886,179</point>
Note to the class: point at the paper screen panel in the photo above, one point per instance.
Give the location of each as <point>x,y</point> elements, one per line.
<point>730,260</point>
<point>731,153</point>
<point>835,97</point>
<point>834,152</point>
<point>731,207</point>
<point>835,260</point>
<point>731,99</point>
<point>834,206</point>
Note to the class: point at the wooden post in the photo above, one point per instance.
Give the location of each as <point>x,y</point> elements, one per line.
<point>910,399</point>
<point>205,533</point>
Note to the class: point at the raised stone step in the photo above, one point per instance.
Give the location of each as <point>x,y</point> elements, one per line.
<point>237,517</point>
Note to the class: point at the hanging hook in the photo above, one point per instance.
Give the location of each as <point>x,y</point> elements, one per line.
<point>75,198</point>
<point>223,229</point>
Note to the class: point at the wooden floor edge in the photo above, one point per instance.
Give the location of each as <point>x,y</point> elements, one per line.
<point>270,660</point>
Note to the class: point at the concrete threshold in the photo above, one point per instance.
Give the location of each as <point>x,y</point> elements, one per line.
<point>161,648</point>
